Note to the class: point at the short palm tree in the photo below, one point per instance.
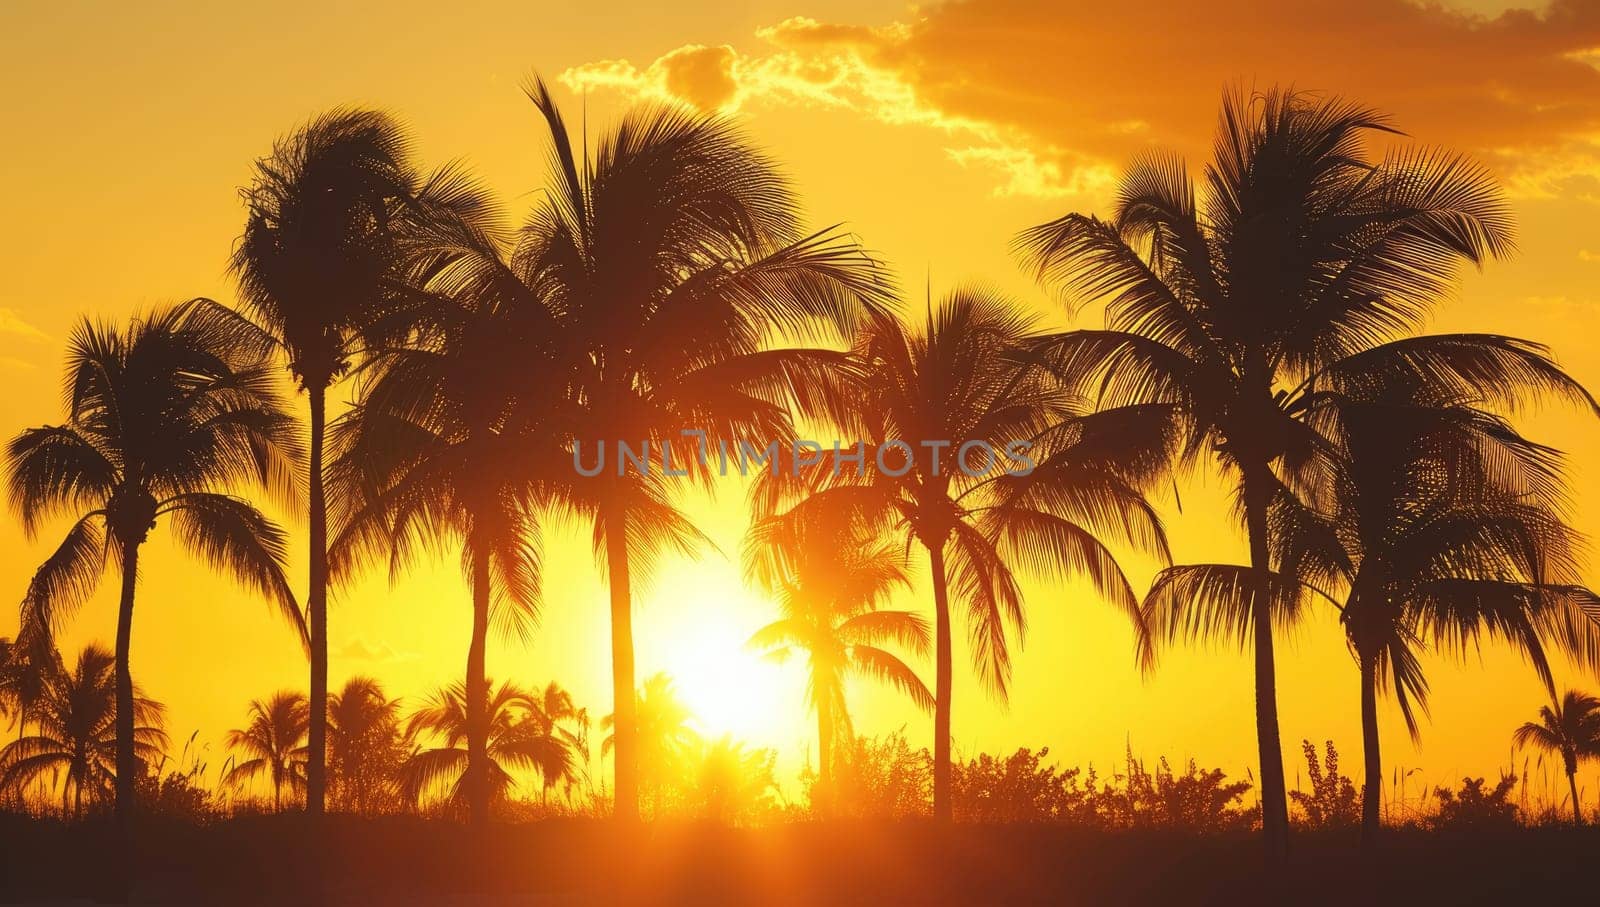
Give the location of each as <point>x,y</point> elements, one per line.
<point>164,419</point>
<point>75,734</point>
<point>672,264</point>
<point>317,259</point>
<point>667,737</point>
<point>272,744</point>
<point>1569,726</point>
<point>1300,253</point>
<point>366,746</point>
<point>831,591</point>
<point>26,665</point>
<point>518,741</point>
<point>558,715</point>
<point>957,383</point>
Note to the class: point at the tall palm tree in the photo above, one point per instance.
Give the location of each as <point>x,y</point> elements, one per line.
<point>316,260</point>
<point>518,741</point>
<point>831,590</point>
<point>75,733</point>
<point>1300,253</point>
<point>670,261</point>
<point>272,744</point>
<point>163,420</point>
<point>921,400</point>
<point>366,746</point>
<point>666,734</point>
<point>1569,726</point>
<point>444,442</point>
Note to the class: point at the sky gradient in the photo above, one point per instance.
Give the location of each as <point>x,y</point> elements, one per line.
<point>935,133</point>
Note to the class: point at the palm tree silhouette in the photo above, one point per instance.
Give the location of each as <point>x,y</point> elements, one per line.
<point>958,383</point>
<point>670,259</point>
<point>518,741</point>
<point>1445,524</point>
<point>444,443</point>
<point>1300,253</point>
<point>162,419</point>
<point>666,734</point>
<point>366,746</point>
<point>273,744</point>
<point>558,715</point>
<point>1569,726</point>
<point>26,665</point>
<point>317,259</point>
<point>831,589</point>
<point>76,735</point>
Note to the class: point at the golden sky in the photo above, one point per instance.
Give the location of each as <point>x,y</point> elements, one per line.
<point>935,132</point>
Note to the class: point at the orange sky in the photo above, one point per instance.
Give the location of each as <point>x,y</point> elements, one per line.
<point>935,132</point>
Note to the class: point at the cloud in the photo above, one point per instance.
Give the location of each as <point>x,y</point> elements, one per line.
<point>1054,97</point>
<point>14,325</point>
<point>376,653</point>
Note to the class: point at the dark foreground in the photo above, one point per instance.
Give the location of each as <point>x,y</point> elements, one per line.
<point>273,860</point>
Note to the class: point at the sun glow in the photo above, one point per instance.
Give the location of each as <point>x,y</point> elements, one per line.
<point>704,615</point>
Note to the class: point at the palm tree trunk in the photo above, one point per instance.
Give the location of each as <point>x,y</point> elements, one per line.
<point>126,760</point>
<point>477,780</point>
<point>1274,800</point>
<point>942,686</point>
<point>624,755</point>
<point>1572,782</point>
<point>825,751</point>
<point>317,613</point>
<point>1372,786</point>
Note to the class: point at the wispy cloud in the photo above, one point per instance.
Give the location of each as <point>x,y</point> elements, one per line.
<point>1054,97</point>
<point>14,325</point>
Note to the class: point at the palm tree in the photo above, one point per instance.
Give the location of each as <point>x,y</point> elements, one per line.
<point>831,590</point>
<point>1571,727</point>
<point>1445,525</point>
<point>443,444</point>
<point>316,260</point>
<point>956,386</point>
<point>518,741</point>
<point>666,734</point>
<point>27,664</point>
<point>558,715</point>
<point>670,261</point>
<point>273,743</point>
<point>162,420</point>
<point>76,735</point>
<point>1300,254</point>
<point>366,746</point>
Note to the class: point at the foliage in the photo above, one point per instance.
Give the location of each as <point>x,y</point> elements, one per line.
<point>1333,801</point>
<point>1022,787</point>
<point>881,778</point>
<point>734,785</point>
<point>366,748</point>
<point>1473,807</point>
